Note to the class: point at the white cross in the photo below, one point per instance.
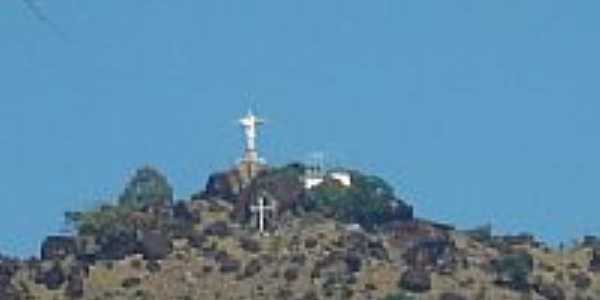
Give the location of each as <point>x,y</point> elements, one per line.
<point>260,209</point>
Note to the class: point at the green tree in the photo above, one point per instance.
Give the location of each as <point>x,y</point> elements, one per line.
<point>148,186</point>
<point>367,201</point>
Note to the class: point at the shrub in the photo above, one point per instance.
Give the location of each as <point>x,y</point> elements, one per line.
<point>148,186</point>
<point>370,201</point>
<point>153,266</point>
<point>131,282</point>
<point>417,281</point>
<point>399,296</point>
<point>513,270</point>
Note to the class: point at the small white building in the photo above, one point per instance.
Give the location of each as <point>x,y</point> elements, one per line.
<point>313,179</point>
<point>311,182</point>
<point>343,177</point>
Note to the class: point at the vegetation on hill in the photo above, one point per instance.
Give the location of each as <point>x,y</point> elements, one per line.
<point>199,250</point>
<point>148,187</point>
<point>369,201</point>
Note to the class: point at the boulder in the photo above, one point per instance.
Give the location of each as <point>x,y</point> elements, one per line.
<point>218,228</point>
<point>229,265</point>
<point>310,242</point>
<point>595,261</point>
<point>222,185</point>
<point>8,268</point>
<point>58,247</point>
<point>53,278</point>
<point>250,245</point>
<point>153,266</point>
<point>550,291</point>
<point>431,253</point>
<point>451,296</point>
<point>416,281</point>
<point>117,245</point>
<point>155,246</point>
<point>353,262</point>
<point>131,282</point>
<point>581,280</point>
<point>196,239</point>
<point>75,286</point>
<point>252,268</point>
<point>183,212</point>
<point>291,274</point>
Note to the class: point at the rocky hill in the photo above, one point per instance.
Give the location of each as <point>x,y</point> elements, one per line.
<point>330,242</point>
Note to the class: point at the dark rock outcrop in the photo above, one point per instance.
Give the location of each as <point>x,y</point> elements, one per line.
<point>58,247</point>
<point>75,286</point>
<point>117,246</point>
<point>581,280</point>
<point>452,296</point>
<point>229,265</point>
<point>353,262</point>
<point>223,185</point>
<point>131,282</point>
<point>595,261</point>
<point>416,281</point>
<point>183,212</point>
<point>8,268</point>
<point>432,254</point>
<point>250,245</point>
<point>53,278</point>
<point>218,228</point>
<point>155,246</point>
<point>550,291</point>
<point>252,268</point>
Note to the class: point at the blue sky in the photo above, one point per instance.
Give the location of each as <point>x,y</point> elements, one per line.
<point>476,111</point>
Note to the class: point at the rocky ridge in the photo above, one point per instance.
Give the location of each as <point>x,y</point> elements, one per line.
<point>148,246</point>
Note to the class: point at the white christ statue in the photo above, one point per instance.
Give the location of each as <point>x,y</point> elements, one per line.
<point>250,124</point>
<point>261,210</point>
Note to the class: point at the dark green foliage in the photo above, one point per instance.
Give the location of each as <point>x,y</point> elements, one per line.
<point>148,186</point>
<point>107,218</point>
<point>513,270</point>
<point>399,296</point>
<point>369,201</point>
<point>131,282</point>
<point>142,207</point>
<point>416,281</point>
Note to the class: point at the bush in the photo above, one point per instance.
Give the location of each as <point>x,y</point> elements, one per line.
<point>513,270</point>
<point>400,296</point>
<point>131,282</point>
<point>416,281</point>
<point>370,201</point>
<point>148,186</point>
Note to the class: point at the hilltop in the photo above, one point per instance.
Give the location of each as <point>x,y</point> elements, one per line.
<point>330,241</point>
